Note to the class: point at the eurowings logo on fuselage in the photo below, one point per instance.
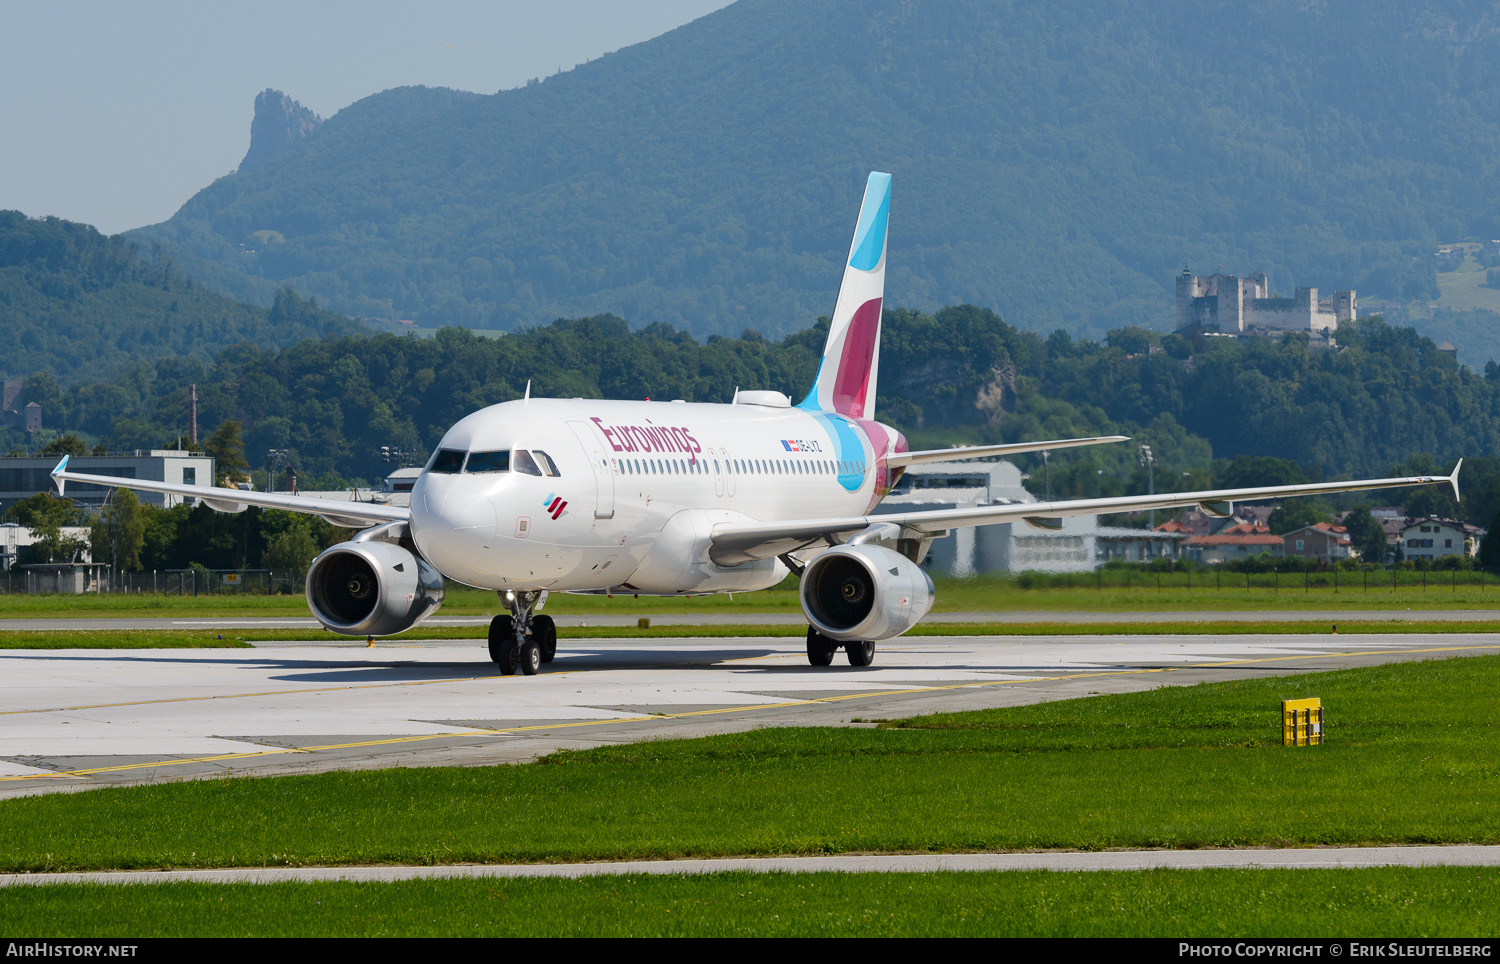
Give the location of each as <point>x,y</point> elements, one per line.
<point>555,504</point>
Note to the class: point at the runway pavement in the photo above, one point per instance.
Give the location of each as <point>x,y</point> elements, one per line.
<point>75,719</point>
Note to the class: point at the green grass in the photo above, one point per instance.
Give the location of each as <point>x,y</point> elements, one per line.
<point>242,638</point>
<point>1465,288</point>
<point>1380,903</point>
<point>1080,592</point>
<point>1411,758</point>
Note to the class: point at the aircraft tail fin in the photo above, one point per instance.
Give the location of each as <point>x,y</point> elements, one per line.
<point>851,358</point>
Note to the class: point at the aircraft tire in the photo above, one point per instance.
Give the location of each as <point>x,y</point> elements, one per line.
<point>820,648</point>
<point>861,651</point>
<point>530,657</point>
<point>544,631</point>
<point>503,644</point>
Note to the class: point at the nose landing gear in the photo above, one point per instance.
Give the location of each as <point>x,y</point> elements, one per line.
<point>522,640</point>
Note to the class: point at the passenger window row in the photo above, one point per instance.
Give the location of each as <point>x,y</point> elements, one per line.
<point>741,467</point>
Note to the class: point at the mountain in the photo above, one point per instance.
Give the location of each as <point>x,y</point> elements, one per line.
<point>80,306</point>
<point>1058,163</point>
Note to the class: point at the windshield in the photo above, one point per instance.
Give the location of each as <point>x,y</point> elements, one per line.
<point>447,461</point>
<point>489,462</point>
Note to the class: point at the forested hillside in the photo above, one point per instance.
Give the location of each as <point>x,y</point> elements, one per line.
<point>1056,162</point>
<point>84,307</point>
<point>961,375</point>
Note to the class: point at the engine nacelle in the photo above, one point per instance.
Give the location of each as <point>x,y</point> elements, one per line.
<point>864,592</point>
<point>372,588</point>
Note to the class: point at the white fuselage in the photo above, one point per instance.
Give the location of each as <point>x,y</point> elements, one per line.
<point>637,489</point>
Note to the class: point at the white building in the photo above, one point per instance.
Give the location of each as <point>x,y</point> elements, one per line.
<point>1005,547</point>
<point>14,537</point>
<point>1435,538</point>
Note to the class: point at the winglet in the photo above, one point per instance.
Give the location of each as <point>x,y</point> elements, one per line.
<point>57,475</point>
<point>1453,481</point>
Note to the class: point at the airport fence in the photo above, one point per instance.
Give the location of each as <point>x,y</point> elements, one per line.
<point>164,582</point>
<point>1338,581</point>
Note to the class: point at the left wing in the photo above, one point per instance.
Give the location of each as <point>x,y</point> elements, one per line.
<point>353,515</point>
<point>734,544</point>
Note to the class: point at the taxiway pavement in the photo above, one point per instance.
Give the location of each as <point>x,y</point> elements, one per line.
<point>1324,858</point>
<point>75,719</point>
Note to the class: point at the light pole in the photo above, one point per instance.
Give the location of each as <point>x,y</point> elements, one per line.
<point>404,458</point>
<point>1148,462</point>
<point>275,459</point>
<point>1047,473</point>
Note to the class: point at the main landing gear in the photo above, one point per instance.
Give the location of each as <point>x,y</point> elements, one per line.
<point>522,640</point>
<point>820,650</point>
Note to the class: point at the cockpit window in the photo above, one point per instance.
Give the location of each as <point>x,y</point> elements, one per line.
<point>447,461</point>
<point>525,463</point>
<point>489,461</point>
<point>545,461</point>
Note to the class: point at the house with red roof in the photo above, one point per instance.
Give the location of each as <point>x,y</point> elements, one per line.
<point>1322,541</point>
<point>1243,541</point>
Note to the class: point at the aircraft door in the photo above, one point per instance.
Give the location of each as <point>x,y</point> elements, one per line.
<point>729,474</point>
<point>601,462</point>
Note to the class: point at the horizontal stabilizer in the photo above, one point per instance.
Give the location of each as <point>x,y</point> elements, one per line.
<point>991,451</point>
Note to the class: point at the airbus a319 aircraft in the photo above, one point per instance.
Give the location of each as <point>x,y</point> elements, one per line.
<point>543,495</point>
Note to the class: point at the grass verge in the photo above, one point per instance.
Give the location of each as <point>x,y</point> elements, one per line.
<point>1379,903</point>
<point>1411,758</point>
<point>976,594</point>
<point>242,638</point>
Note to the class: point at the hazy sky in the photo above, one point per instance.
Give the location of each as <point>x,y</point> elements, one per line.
<point>118,112</point>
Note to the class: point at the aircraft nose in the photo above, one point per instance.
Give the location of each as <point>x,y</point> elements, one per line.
<point>454,525</point>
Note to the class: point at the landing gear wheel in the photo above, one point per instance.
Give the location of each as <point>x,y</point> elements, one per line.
<point>544,631</point>
<point>861,652</point>
<point>820,648</point>
<point>503,644</point>
<point>530,657</point>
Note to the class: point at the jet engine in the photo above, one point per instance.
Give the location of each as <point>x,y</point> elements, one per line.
<point>372,588</point>
<point>865,592</point>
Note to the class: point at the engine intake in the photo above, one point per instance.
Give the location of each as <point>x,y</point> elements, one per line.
<point>864,592</point>
<point>372,588</point>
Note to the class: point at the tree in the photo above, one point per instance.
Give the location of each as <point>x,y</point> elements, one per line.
<point>1254,471</point>
<point>1294,515</point>
<point>120,531</point>
<point>182,443</point>
<point>69,444</point>
<point>1489,546</point>
<point>1366,536</point>
<point>228,450</point>
<point>293,549</point>
<point>45,515</point>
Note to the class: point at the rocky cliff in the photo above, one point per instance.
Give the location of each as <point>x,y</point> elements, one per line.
<point>280,124</point>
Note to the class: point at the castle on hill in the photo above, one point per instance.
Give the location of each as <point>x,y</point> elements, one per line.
<point>1235,305</point>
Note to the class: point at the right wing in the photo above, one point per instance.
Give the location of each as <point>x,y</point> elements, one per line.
<point>352,515</point>
<point>987,451</point>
